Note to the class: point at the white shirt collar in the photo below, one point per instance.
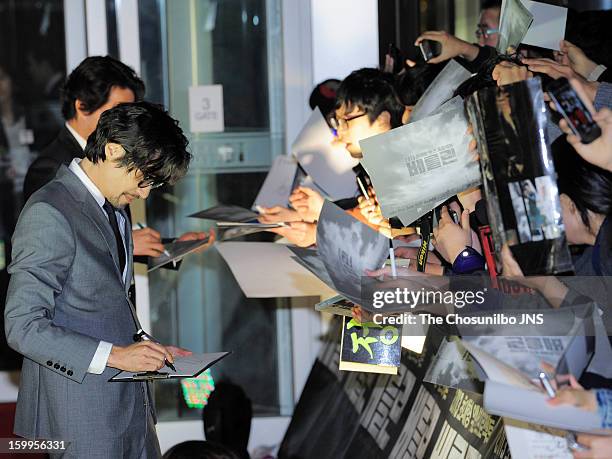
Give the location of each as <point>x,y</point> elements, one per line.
<point>76,168</point>
<point>82,142</point>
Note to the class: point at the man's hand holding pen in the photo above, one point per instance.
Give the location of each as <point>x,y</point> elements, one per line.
<point>141,356</point>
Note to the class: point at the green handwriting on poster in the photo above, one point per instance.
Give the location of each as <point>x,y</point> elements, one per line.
<point>366,340</point>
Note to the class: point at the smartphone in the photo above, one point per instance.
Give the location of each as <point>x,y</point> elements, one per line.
<point>453,215</point>
<point>574,110</point>
<point>430,49</point>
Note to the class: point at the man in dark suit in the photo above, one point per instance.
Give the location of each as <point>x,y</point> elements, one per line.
<point>96,85</point>
<point>67,310</point>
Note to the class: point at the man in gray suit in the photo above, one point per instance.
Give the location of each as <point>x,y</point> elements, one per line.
<point>67,310</point>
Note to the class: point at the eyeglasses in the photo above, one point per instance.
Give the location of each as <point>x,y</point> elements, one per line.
<point>150,183</point>
<point>342,123</point>
<point>484,31</point>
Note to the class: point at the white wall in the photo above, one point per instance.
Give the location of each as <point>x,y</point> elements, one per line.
<point>344,37</point>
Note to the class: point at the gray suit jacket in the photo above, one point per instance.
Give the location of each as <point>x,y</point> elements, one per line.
<point>65,295</point>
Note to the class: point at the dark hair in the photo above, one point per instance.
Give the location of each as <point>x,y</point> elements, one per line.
<point>199,449</point>
<point>489,4</point>
<point>587,185</point>
<point>373,91</point>
<point>91,83</point>
<point>154,143</point>
<point>227,417</point>
<point>324,96</point>
<point>412,83</point>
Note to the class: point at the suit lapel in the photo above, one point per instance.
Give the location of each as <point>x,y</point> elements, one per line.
<point>129,245</point>
<point>93,211</point>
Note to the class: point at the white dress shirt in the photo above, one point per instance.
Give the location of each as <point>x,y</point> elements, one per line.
<point>82,142</point>
<point>100,358</point>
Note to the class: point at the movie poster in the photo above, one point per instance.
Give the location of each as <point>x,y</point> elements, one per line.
<point>366,415</point>
<point>519,175</point>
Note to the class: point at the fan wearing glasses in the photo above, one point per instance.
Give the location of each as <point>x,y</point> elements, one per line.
<point>367,104</point>
<point>470,55</point>
<point>487,32</point>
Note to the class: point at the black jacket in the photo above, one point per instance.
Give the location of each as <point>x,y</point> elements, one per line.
<point>61,151</point>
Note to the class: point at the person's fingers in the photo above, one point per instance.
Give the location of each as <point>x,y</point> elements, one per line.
<point>547,367</point>
<point>155,247</point>
<point>266,219</point>
<point>281,231</point>
<point>168,355</point>
<point>575,142</point>
<point>429,35</point>
<point>473,145</point>
<point>297,194</point>
<point>510,265</point>
<point>152,233</point>
<point>579,88</point>
<point>377,272</point>
<point>309,191</point>
<point>465,220</point>
<point>368,209</point>
<point>539,60</point>
<point>153,350</point>
<point>435,232</point>
<point>178,351</point>
<point>436,60</point>
<point>574,384</point>
<point>300,226</point>
<point>564,397</point>
<point>606,112</point>
<point>366,203</point>
<point>564,127</point>
<point>444,215</point>
<point>586,440</point>
<point>300,203</point>
<point>406,252</point>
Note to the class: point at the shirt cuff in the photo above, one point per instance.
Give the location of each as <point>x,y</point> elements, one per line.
<point>100,358</point>
<point>604,407</point>
<point>596,73</point>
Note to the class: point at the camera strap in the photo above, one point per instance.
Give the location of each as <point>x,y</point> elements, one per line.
<point>425,229</point>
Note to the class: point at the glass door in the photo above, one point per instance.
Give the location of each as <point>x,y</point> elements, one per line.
<point>234,44</point>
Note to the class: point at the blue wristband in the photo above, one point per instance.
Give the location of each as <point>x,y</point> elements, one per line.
<point>468,261</point>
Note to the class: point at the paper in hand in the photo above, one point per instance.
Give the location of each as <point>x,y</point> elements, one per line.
<point>417,166</point>
<point>176,251</point>
<point>440,90</point>
<point>548,27</point>
<point>348,248</point>
<point>267,270</point>
<point>515,20</point>
<point>227,213</point>
<point>310,260</point>
<point>330,167</point>
<point>277,186</point>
